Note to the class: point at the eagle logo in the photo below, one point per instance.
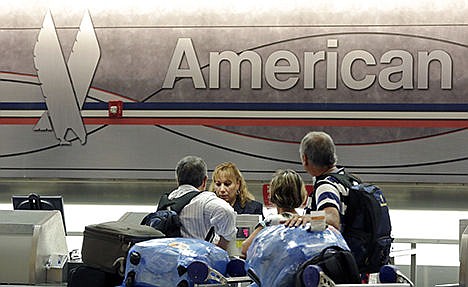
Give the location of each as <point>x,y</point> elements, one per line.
<point>65,85</point>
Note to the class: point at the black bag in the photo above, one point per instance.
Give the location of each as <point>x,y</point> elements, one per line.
<point>336,263</point>
<point>105,245</point>
<point>85,276</point>
<point>166,218</point>
<point>366,224</point>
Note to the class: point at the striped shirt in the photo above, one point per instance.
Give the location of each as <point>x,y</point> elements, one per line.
<point>328,192</point>
<point>204,211</point>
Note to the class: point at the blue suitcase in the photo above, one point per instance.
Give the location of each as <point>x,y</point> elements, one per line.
<point>164,262</point>
<point>277,253</point>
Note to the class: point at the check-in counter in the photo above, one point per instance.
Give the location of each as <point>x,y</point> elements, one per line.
<point>33,247</point>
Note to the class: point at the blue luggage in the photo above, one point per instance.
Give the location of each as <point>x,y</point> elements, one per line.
<point>163,262</point>
<point>277,253</point>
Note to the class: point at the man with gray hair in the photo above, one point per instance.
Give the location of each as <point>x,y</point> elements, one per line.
<point>317,152</point>
<point>205,210</point>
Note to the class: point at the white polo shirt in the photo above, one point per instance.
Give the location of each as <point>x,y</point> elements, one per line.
<point>204,211</point>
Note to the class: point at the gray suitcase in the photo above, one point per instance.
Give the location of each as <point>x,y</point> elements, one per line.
<point>105,245</point>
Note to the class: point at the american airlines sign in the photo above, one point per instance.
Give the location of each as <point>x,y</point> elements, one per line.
<point>295,66</point>
<point>240,91</point>
<point>268,78</point>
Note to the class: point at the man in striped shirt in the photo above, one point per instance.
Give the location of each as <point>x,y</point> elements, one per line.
<point>318,157</point>
<point>205,210</point>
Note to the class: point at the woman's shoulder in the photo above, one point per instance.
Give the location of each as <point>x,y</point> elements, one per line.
<point>275,219</point>
<point>251,207</point>
<point>255,206</point>
<point>254,203</point>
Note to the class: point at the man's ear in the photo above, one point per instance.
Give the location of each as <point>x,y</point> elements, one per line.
<point>304,160</point>
<point>203,186</point>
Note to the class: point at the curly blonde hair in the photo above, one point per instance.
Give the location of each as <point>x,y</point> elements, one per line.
<point>230,170</point>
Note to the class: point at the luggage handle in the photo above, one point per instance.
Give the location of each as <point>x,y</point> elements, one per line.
<point>200,272</point>
<point>126,248</point>
<point>120,264</point>
<point>254,277</point>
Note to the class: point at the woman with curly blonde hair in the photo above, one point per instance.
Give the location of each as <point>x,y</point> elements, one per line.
<point>229,184</point>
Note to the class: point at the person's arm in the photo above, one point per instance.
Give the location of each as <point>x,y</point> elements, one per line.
<point>223,243</point>
<point>246,244</point>
<point>329,203</point>
<point>223,218</point>
<point>332,217</point>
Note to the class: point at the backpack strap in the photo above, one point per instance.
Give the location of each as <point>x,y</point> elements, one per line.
<point>210,235</point>
<point>345,178</point>
<point>176,204</point>
<point>341,178</point>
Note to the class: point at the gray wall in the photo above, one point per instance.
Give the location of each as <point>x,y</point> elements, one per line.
<point>71,60</point>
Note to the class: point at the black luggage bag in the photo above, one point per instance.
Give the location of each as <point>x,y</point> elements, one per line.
<point>105,245</point>
<point>85,276</point>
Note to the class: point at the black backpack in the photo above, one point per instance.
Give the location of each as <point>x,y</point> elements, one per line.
<point>166,218</point>
<point>336,263</point>
<point>366,224</point>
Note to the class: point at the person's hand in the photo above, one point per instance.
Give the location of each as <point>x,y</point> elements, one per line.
<point>297,220</point>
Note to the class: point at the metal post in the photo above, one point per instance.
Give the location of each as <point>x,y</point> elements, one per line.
<point>413,264</point>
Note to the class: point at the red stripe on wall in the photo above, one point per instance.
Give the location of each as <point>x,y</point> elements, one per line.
<point>280,122</point>
<point>18,121</point>
<point>257,122</point>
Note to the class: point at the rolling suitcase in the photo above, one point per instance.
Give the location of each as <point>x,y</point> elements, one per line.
<point>278,252</point>
<point>105,245</point>
<point>166,262</point>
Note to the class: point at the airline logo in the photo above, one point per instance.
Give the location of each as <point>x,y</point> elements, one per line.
<point>65,85</point>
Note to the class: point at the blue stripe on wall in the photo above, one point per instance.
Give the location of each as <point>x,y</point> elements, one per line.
<point>257,106</point>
